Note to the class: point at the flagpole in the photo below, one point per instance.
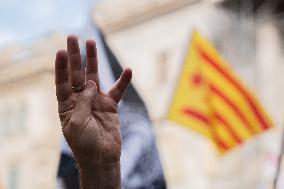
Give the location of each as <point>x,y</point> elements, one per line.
<point>279,162</point>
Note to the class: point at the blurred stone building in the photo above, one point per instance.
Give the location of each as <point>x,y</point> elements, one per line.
<point>29,125</point>
<point>152,36</point>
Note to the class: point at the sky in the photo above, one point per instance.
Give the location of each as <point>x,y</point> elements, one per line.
<point>23,20</point>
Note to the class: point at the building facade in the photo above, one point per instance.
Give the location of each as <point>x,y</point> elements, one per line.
<point>29,125</point>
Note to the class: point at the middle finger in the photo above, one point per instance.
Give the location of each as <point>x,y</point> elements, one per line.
<point>75,64</point>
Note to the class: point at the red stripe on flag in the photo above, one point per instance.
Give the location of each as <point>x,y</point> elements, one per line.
<point>196,115</point>
<point>217,67</point>
<point>204,119</point>
<point>221,144</point>
<point>233,106</point>
<point>228,127</point>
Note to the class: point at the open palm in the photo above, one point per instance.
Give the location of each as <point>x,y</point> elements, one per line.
<point>89,117</point>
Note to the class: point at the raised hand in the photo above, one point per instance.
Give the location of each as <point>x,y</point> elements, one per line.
<point>89,117</point>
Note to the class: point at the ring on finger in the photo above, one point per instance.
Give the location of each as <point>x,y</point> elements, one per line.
<point>79,88</point>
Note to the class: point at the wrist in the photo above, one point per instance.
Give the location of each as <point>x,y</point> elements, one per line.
<point>101,176</point>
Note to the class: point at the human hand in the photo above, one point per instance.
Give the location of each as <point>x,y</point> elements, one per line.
<point>89,117</point>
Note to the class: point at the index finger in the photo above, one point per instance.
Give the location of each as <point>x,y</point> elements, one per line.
<point>92,62</point>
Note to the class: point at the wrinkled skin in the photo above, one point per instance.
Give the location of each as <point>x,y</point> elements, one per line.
<point>89,117</point>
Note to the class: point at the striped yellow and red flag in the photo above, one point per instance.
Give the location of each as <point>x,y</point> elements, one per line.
<point>212,100</point>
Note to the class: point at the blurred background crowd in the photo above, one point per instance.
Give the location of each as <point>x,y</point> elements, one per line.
<point>151,37</point>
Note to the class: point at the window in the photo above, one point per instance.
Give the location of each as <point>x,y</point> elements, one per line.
<point>2,125</point>
<point>20,117</point>
<point>13,178</point>
<point>13,119</point>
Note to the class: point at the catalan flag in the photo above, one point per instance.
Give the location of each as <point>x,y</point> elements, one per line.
<point>212,100</point>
